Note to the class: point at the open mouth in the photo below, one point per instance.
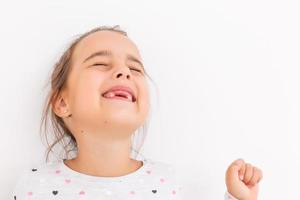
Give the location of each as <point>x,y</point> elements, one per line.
<point>119,94</point>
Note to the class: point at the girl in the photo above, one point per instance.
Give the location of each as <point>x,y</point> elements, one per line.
<point>99,97</point>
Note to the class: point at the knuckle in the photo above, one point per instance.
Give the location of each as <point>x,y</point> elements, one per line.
<point>248,165</point>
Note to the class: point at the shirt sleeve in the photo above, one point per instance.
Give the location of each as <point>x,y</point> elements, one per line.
<point>228,196</point>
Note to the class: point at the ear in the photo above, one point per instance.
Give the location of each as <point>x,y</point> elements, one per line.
<point>60,106</point>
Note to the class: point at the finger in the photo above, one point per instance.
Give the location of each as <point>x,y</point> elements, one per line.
<point>260,174</point>
<point>249,173</point>
<point>256,176</point>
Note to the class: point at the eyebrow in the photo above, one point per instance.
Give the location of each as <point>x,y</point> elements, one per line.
<point>109,53</point>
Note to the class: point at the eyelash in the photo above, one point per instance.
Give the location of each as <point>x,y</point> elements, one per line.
<point>138,70</point>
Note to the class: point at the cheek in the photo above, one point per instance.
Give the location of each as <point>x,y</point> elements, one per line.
<point>87,91</point>
<point>144,99</point>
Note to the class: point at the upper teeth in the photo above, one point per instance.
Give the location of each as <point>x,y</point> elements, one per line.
<point>115,93</point>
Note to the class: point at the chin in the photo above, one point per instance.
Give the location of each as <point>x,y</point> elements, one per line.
<point>124,119</point>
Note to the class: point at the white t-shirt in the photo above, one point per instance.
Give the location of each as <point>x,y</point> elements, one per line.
<point>154,180</point>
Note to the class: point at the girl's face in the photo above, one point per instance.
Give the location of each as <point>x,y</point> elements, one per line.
<point>100,61</point>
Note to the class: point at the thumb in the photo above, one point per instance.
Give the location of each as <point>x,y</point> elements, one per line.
<point>236,171</point>
<point>234,183</point>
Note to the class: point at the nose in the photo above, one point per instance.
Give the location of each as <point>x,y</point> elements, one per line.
<point>121,73</point>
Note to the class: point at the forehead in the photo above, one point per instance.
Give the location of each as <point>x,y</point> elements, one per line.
<point>118,44</point>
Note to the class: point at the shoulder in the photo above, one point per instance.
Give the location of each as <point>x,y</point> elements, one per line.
<point>39,170</point>
<point>161,167</point>
<point>165,172</point>
<point>159,164</point>
<point>34,176</point>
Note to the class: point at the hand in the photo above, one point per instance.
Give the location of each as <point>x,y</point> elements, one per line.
<point>242,180</point>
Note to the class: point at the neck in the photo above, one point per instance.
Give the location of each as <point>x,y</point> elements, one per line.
<point>104,156</point>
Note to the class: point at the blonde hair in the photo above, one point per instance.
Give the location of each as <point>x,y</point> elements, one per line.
<point>58,79</point>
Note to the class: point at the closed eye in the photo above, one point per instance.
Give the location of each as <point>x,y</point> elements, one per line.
<point>131,68</point>
<point>138,70</point>
<point>99,64</point>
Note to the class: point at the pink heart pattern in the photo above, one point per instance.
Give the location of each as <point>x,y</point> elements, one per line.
<point>154,191</point>
<point>67,180</point>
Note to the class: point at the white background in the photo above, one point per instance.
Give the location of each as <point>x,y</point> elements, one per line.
<point>227,74</point>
